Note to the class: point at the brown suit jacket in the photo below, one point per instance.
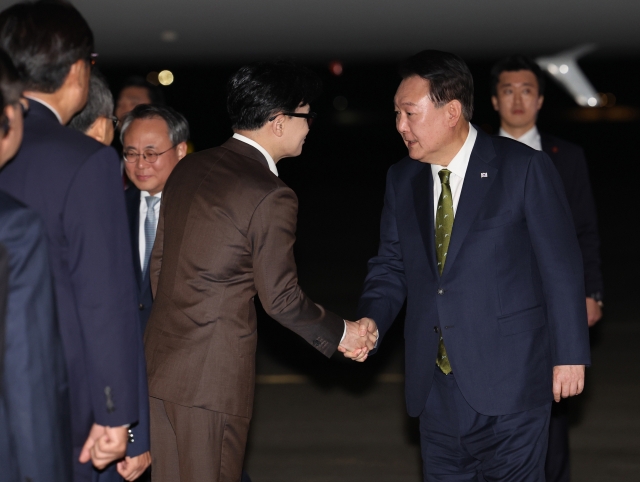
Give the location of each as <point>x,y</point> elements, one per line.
<point>226,233</point>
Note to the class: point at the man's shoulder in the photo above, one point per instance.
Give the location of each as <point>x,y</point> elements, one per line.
<point>555,146</point>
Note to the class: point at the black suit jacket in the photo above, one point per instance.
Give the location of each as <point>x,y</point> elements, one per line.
<point>145,298</point>
<point>570,162</point>
<point>74,184</point>
<point>34,404</point>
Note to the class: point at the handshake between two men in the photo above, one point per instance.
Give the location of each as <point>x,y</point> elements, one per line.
<point>360,337</point>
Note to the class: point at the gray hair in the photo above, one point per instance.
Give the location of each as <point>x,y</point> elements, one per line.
<point>99,104</point>
<point>176,123</point>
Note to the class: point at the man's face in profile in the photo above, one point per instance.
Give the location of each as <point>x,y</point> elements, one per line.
<point>129,98</point>
<point>423,126</point>
<point>517,99</point>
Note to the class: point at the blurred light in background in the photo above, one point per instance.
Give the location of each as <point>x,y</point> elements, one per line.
<point>564,68</point>
<point>169,36</point>
<point>340,103</point>
<point>335,67</point>
<point>165,77</point>
<point>152,78</point>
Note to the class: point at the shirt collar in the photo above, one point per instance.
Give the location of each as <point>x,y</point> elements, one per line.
<point>263,151</point>
<point>48,106</point>
<point>530,138</point>
<point>144,194</point>
<point>459,163</point>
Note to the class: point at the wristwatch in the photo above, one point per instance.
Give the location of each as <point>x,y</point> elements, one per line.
<point>597,297</point>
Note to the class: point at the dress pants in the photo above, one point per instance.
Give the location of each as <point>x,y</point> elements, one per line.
<point>557,468</point>
<point>190,444</point>
<point>460,444</point>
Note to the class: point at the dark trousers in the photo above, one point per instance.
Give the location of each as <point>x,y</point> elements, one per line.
<point>557,467</point>
<point>190,444</point>
<point>460,444</point>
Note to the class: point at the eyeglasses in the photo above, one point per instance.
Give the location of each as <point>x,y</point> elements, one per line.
<point>311,116</point>
<point>148,155</point>
<point>115,121</point>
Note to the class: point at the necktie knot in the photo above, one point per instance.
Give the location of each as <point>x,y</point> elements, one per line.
<point>444,176</point>
<point>152,201</point>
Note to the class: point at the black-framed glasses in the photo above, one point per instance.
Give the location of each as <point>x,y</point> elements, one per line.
<point>148,155</point>
<point>115,121</point>
<point>311,116</point>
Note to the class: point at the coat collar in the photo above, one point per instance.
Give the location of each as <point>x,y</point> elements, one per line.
<point>244,149</point>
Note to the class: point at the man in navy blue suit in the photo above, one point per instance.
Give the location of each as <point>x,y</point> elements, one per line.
<point>154,140</point>
<point>476,235</point>
<point>517,94</point>
<point>34,404</point>
<point>74,184</point>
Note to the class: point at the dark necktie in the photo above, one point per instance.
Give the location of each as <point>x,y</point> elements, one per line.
<point>444,226</point>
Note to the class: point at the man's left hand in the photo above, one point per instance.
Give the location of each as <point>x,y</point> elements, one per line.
<point>132,467</point>
<point>594,312</point>
<point>568,381</point>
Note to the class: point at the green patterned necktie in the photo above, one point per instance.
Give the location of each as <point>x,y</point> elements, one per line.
<point>444,225</point>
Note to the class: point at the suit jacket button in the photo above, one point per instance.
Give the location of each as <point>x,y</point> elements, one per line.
<point>316,343</point>
<point>141,306</point>
<point>440,291</point>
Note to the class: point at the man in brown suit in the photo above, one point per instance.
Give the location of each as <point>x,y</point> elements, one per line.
<point>226,233</point>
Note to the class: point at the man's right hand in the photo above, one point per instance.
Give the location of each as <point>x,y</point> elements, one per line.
<point>104,445</point>
<point>361,337</point>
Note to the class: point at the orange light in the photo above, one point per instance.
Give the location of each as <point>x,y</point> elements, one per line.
<point>335,67</point>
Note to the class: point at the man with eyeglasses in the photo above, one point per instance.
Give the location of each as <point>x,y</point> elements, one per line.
<point>225,234</point>
<point>74,184</point>
<point>96,119</point>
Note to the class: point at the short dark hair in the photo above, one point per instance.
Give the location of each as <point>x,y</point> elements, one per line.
<point>260,90</point>
<point>99,104</point>
<point>10,84</point>
<point>448,76</point>
<point>155,93</point>
<point>176,123</point>
<point>513,64</point>
<point>44,39</point>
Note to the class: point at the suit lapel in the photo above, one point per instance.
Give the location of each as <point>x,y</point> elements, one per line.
<point>423,202</point>
<point>477,182</point>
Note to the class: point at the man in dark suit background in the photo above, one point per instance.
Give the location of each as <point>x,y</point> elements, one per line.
<point>74,184</point>
<point>517,94</point>
<point>476,235</point>
<point>34,404</point>
<point>154,139</point>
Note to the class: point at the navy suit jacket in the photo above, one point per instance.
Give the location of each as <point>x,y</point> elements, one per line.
<point>145,297</point>
<point>34,405</point>
<point>74,184</point>
<point>510,301</point>
<point>572,166</point>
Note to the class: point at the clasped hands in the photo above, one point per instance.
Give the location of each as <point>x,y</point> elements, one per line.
<point>360,338</point>
<point>108,444</point>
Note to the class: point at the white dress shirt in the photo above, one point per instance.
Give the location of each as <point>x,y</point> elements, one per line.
<point>530,138</point>
<point>458,168</point>
<point>47,106</point>
<point>143,216</point>
<point>263,151</point>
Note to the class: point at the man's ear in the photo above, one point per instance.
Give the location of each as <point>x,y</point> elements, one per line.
<point>454,112</point>
<point>540,101</point>
<point>494,102</point>
<point>77,72</point>
<point>181,150</point>
<point>98,129</point>
<point>277,126</point>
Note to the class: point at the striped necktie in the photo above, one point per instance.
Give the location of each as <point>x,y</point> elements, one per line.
<point>150,224</point>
